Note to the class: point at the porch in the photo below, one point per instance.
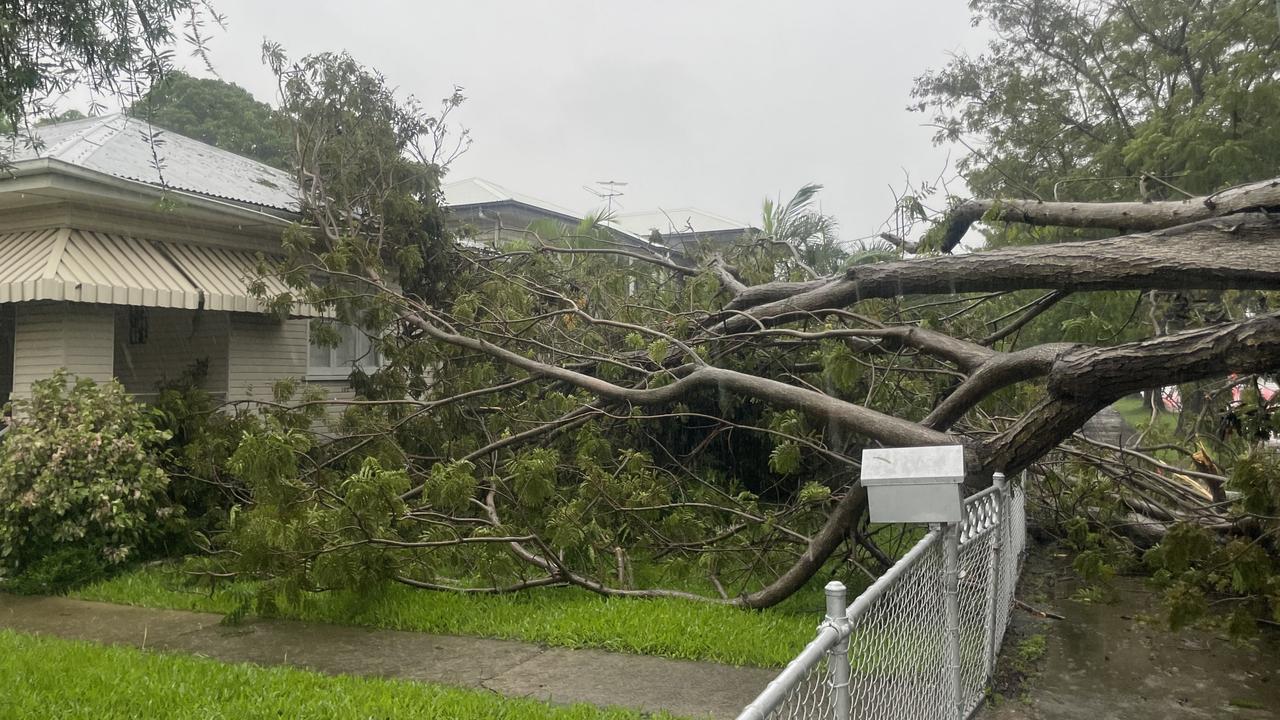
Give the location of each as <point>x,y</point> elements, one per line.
<point>106,305</point>
<point>241,354</point>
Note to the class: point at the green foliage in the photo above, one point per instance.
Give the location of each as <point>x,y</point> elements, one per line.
<point>785,458</point>
<point>1183,546</point>
<point>1093,567</point>
<point>65,568</point>
<point>202,438</point>
<point>1072,101</point>
<point>534,475</point>
<point>220,113</point>
<point>840,365</point>
<point>46,48</point>
<point>1184,604</point>
<point>48,677</point>
<point>1190,565</point>
<point>80,467</point>
<point>1256,476</point>
<point>450,485</point>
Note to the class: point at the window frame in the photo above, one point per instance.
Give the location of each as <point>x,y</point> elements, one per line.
<point>368,361</point>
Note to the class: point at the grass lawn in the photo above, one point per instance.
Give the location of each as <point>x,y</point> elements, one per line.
<point>50,678</point>
<point>1139,416</point>
<point>565,617</point>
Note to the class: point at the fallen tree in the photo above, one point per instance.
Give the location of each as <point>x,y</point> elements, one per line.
<point>554,411</point>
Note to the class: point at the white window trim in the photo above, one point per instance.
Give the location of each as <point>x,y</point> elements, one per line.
<point>339,372</point>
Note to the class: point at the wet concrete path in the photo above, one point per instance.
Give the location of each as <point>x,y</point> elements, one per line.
<point>1116,660</point>
<point>510,668</point>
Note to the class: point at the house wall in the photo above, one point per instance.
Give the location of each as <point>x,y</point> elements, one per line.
<point>48,336</point>
<point>175,341</point>
<point>263,350</point>
<point>483,223</point>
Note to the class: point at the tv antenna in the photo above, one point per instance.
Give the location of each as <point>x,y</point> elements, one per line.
<point>607,190</point>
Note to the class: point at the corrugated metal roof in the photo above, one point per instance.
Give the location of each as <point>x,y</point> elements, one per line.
<point>119,145</point>
<point>676,221</point>
<point>82,266</point>
<point>477,191</point>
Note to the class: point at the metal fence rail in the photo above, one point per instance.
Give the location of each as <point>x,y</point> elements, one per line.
<point>921,642</point>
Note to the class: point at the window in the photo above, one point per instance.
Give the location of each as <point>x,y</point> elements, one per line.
<point>334,363</point>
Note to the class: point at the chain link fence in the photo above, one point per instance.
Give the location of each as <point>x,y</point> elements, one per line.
<point>922,641</point>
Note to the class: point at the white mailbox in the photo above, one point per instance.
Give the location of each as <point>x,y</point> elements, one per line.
<point>915,484</point>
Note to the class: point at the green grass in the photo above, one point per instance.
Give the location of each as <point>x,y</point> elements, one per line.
<point>1138,415</point>
<point>50,678</point>
<point>564,617</point>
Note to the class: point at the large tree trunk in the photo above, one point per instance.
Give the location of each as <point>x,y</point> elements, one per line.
<point>1240,252</point>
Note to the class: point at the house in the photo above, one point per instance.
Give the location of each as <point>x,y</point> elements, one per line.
<point>123,257</point>
<point>117,261</point>
<point>493,215</point>
<point>686,230</point>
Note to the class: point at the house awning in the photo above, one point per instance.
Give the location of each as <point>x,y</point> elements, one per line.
<point>84,266</point>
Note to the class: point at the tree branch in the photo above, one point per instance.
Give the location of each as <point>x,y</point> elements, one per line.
<point>1128,216</point>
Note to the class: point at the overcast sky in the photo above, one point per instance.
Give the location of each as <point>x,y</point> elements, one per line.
<point>708,103</point>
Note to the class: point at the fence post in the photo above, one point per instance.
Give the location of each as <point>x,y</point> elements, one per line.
<point>951,598</point>
<point>838,659</point>
<point>996,589</point>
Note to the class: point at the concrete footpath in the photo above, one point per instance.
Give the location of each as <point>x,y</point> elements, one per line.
<point>515,669</point>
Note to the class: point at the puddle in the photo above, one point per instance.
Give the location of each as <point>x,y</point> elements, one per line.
<point>1104,661</point>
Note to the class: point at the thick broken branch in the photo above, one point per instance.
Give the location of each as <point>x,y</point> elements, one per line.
<point>1241,252</point>
<point>1126,216</point>
<point>1085,380</point>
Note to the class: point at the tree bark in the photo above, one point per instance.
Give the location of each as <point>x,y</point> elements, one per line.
<point>1241,252</point>
<point>1127,216</point>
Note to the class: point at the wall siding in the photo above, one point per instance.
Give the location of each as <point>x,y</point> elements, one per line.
<point>262,351</point>
<point>176,339</point>
<point>48,336</point>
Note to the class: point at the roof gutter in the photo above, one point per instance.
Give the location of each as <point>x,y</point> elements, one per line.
<point>92,183</point>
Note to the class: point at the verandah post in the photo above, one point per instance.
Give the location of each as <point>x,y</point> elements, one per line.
<point>838,659</point>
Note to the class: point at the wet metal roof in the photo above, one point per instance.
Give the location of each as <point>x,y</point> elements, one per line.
<point>477,191</point>
<point>122,146</point>
<point>676,221</point>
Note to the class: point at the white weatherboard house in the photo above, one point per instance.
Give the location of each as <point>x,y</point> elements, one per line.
<point>99,276</point>
<point>123,258</point>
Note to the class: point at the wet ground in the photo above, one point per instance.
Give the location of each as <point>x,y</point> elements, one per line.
<point>1113,661</point>
<point>691,689</point>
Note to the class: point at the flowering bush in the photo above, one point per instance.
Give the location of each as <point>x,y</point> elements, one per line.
<point>79,469</point>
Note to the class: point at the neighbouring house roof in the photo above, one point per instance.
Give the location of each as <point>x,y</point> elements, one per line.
<point>84,266</point>
<point>477,191</point>
<point>120,146</point>
<point>676,221</point>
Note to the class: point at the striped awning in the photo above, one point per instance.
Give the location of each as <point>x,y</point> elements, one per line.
<point>85,266</point>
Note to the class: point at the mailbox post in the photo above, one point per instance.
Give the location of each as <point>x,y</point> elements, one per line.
<point>923,485</point>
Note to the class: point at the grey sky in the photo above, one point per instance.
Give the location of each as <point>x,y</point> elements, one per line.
<point>707,103</point>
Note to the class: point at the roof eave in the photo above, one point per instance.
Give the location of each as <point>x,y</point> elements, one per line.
<point>82,183</point>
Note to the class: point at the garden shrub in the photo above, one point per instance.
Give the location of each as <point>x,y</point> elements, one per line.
<point>80,469</point>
